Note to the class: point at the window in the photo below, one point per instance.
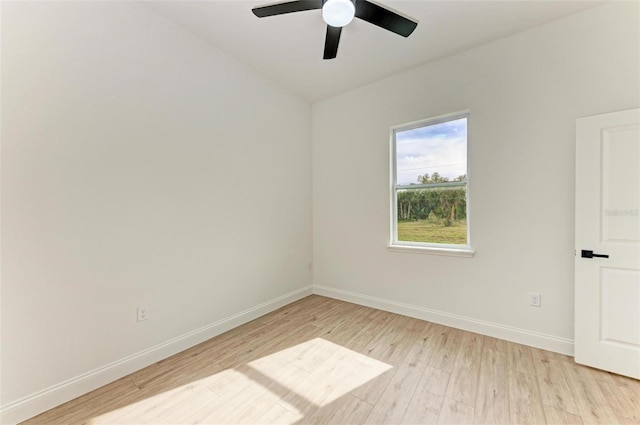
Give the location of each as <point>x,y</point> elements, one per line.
<point>430,185</point>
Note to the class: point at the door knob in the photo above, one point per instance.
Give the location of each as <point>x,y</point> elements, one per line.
<point>590,254</point>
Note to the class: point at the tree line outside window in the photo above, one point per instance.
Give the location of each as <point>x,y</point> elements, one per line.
<point>446,204</point>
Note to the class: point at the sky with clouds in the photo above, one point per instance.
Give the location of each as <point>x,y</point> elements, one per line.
<point>438,148</point>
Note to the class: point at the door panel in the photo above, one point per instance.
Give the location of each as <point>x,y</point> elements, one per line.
<point>620,184</point>
<point>620,317</point>
<point>607,289</point>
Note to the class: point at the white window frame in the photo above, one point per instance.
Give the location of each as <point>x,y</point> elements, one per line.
<point>465,250</point>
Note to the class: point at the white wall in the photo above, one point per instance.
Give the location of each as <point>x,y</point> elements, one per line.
<point>140,167</point>
<point>525,93</point>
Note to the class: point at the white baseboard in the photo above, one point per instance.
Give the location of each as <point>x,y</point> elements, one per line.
<point>521,336</point>
<point>55,395</point>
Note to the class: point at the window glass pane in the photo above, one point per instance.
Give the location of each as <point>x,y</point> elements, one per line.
<point>432,153</point>
<point>433,215</point>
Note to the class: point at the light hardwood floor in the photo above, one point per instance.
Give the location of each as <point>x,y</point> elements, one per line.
<point>323,361</point>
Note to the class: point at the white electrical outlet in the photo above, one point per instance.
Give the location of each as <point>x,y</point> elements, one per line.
<point>534,299</point>
<point>143,314</point>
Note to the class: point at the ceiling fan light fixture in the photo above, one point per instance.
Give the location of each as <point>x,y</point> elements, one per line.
<point>338,13</point>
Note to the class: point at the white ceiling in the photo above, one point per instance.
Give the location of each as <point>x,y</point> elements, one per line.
<point>288,48</point>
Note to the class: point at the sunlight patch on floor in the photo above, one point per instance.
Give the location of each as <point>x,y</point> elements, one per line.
<point>278,388</point>
<point>318,370</point>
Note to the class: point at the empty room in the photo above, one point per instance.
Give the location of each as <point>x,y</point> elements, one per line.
<point>320,212</point>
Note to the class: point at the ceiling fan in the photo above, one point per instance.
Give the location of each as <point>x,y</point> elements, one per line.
<point>338,13</point>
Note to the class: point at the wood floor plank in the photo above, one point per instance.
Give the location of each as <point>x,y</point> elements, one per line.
<point>557,416</point>
<point>495,344</point>
<point>383,348</point>
<point>375,327</point>
<point>322,414</point>
<point>392,404</point>
<point>335,376</point>
<point>554,385</point>
<point>525,402</point>
<point>347,332</point>
<point>492,403</point>
<point>623,398</point>
<point>258,395</point>
<point>352,411</point>
<point>426,402</point>
<point>463,386</point>
<point>395,352</point>
<point>446,343</point>
<point>279,414</point>
<point>340,329</point>
<point>302,308</point>
<point>592,404</point>
<point>325,361</point>
<point>269,344</point>
<point>454,412</point>
<point>550,356</point>
<point>173,406</point>
<point>520,358</point>
<point>381,345</point>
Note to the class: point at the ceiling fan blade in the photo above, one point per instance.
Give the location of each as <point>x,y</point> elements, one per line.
<point>331,42</point>
<point>384,18</point>
<point>286,7</point>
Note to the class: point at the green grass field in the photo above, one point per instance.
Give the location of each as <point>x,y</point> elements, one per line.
<point>429,231</point>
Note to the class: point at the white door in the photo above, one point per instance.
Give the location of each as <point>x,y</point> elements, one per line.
<point>607,264</point>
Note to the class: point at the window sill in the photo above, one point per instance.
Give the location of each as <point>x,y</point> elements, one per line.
<point>452,252</point>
